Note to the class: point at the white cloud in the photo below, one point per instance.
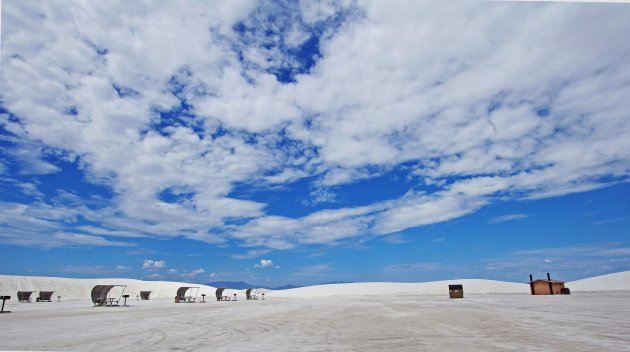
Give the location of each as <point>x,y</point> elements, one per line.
<point>87,240</point>
<point>123,267</point>
<point>252,253</point>
<point>395,269</point>
<point>313,270</point>
<point>507,217</point>
<point>108,232</point>
<point>265,263</point>
<point>86,269</point>
<point>502,111</point>
<point>213,275</point>
<point>197,271</point>
<point>30,189</point>
<point>153,264</point>
<point>191,274</point>
<point>29,154</point>
<point>395,239</point>
<point>562,262</point>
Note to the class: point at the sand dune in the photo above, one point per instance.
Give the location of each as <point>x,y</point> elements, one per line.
<point>80,288</point>
<point>609,282</point>
<point>596,321</point>
<point>372,316</point>
<point>471,286</point>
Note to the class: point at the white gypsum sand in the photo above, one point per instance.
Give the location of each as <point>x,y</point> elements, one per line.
<point>80,289</point>
<point>471,286</point>
<point>381,316</point>
<point>610,282</point>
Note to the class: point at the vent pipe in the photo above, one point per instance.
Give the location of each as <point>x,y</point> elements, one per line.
<point>550,284</point>
<point>531,284</point>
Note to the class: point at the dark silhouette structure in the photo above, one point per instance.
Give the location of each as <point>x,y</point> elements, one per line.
<point>456,291</point>
<point>4,298</point>
<point>24,296</point>
<point>45,296</point>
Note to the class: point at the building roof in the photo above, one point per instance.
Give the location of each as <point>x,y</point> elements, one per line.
<point>552,281</point>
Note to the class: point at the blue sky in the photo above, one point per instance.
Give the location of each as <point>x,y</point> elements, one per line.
<point>304,142</point>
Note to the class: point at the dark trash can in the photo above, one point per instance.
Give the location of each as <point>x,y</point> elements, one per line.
<point>456,291</point>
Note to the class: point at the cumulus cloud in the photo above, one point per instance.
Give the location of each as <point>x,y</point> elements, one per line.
<point>190,274</point>
<point>265,263</point>
<point>511,112</point>
<point>153,264</point>
<point>213,275</point>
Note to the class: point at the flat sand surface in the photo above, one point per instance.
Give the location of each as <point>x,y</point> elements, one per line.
<point>494,322</point>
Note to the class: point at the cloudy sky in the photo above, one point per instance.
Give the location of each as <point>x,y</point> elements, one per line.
<point>302,142</point>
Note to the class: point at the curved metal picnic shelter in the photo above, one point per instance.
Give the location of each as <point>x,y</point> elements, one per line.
<point>181,294</point>
<point>219,293</point>
<point>24,296</point>
<point>225,294</point>
<point>45,296</point>
<point>100,294</point>
<point>252,293</point>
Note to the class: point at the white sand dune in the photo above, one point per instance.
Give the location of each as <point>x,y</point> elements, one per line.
<point>471,286</point>
<point>81,288</point>
<point>373,316</point>
<point>610,282</point>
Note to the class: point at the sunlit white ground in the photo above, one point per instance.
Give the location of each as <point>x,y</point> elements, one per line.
<point>492,322</point>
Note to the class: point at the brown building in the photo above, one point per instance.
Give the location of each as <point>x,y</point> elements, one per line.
<point>547,287</point>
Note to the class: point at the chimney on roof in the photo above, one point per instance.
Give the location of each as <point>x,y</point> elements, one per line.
<point>550,284</point>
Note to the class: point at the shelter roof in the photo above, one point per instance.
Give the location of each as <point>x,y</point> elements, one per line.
<point>552,281</point>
